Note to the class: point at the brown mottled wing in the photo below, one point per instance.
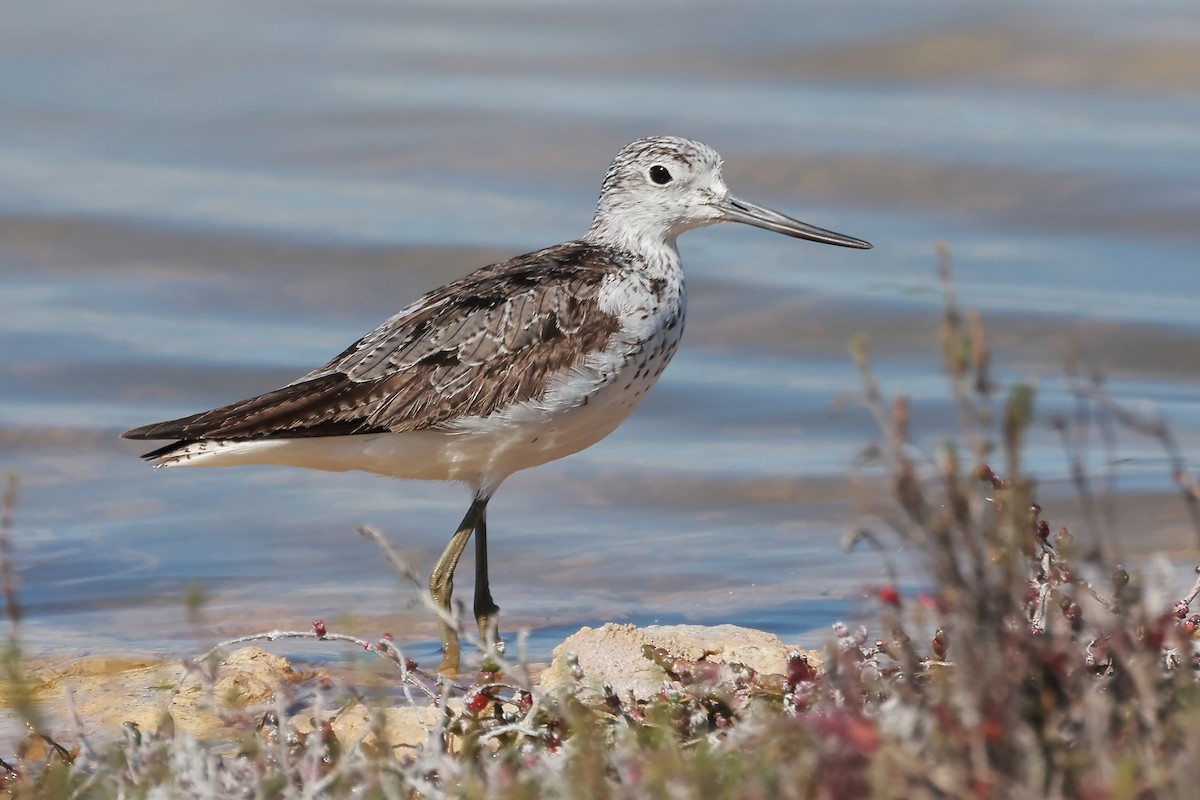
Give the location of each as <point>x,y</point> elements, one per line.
<point>486,341</point>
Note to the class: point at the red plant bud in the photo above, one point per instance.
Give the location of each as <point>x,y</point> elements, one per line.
<point>476,702</point>
<point>1156,632</point>
<point>1181,609</point>
<point>888,596</point>
<point>318,626</point>
<point>799,670</point>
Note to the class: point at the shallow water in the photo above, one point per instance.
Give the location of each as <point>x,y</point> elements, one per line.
<point>203,201</point>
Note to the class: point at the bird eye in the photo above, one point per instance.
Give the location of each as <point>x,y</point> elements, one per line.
<point>659,174</point>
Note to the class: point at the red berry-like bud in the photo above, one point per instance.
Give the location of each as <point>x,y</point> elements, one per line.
<point>1073,612</point>
<point>1156,632</point>
<point>410,663</point>
<point>1043,530</point>
<point>888,596</point>
<point>476,702</point>
<point>799,670</point>
<point>318,626</point>
<point>1181,609</point>
<point>387,637</point>
<point>1189,626</point>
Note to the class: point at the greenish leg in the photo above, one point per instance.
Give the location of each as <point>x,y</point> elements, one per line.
<point>441,583</point>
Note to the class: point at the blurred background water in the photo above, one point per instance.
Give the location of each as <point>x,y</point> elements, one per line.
<point>202,201</point>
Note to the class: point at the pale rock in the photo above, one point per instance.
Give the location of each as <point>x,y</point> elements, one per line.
<point>107,692</point>
<point>612,654</point>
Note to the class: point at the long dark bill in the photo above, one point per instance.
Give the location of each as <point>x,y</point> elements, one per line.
<point>735,210</point>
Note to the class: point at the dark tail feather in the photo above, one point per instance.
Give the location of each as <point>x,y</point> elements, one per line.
<point>313,408</point>
<point>171,429</point>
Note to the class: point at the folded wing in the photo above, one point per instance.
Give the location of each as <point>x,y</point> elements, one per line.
<point>491,339</point>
